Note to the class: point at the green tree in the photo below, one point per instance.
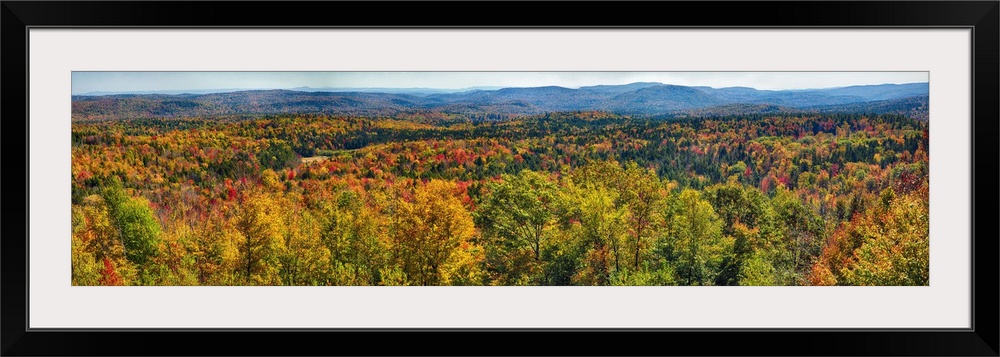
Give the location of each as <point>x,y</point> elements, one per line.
<point>747,216</point>
<point>137,228</point>
<point>277,155</point>
<point>603,229</point>
<point>694,241</point>
<point>516,217</point>
<point>803,232</point>
<point>355,234</point>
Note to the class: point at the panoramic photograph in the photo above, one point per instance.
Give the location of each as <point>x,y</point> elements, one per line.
<point>500,178</point>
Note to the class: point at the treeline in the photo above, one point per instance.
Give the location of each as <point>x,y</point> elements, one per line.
<point>556,199</point>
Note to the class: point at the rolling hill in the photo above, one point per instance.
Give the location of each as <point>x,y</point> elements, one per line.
<point>641,99</point>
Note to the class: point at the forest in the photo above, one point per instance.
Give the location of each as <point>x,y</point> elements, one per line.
<point>559,198</point>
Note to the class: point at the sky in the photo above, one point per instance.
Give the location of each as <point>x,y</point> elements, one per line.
<point>125,82</point>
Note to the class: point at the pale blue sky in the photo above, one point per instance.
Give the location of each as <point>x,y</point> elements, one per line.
<point>86,82</point>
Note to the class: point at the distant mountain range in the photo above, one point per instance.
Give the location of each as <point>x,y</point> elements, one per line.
<point>414,91</point>
<point>641,99</point>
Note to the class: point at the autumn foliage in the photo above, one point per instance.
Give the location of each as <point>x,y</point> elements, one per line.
<point>575,198</point>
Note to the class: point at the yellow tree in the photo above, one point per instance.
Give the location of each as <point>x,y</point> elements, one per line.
<point>305,260</point>
<point>905,245</point>
<point>259,225</point>
<point>94,242</point>
<point>887,245</point>
<point>92,225</point>
<point>430,230</point>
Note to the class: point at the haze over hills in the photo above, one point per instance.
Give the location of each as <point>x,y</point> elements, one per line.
<point>639,99</point>
<point>414,91</point>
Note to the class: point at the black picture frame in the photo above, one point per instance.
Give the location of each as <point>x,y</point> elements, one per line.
<point>982,17</point>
